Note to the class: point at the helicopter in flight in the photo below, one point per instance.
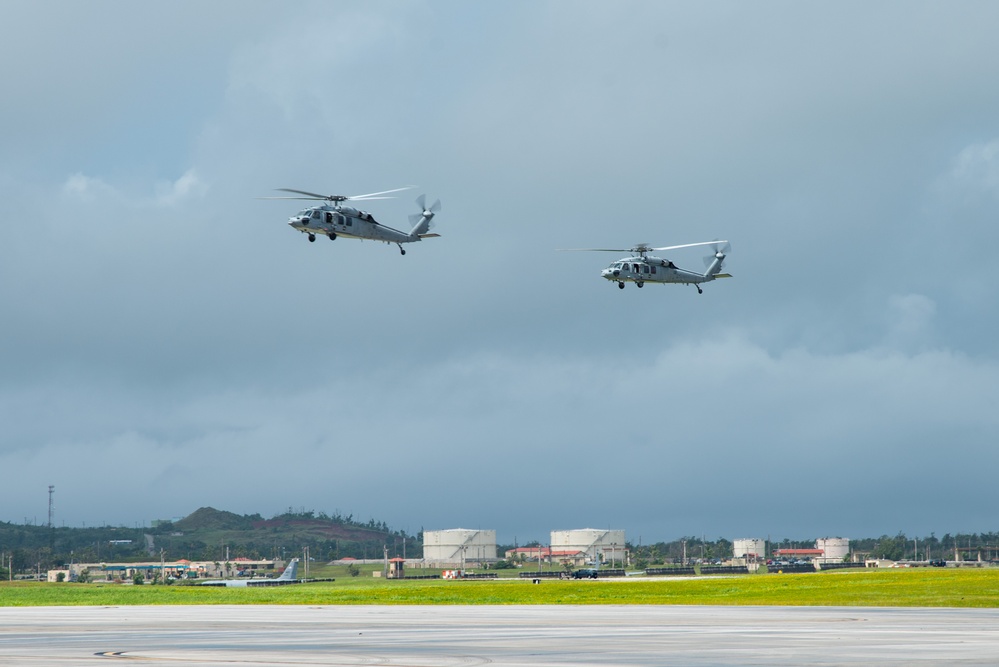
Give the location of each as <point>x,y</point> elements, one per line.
<point>332,219</point>
<point>643,268</point>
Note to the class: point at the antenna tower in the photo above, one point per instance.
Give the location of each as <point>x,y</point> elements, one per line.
<point>51,507</point>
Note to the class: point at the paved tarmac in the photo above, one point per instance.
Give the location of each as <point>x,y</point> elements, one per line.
<point>446,636</point>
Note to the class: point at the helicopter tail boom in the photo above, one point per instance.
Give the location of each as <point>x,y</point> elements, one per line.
<point>715,268</point>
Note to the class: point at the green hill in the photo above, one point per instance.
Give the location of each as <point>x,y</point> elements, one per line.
<point>205,534</point>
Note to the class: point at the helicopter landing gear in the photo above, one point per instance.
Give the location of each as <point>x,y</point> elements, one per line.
<point>699,290</point>
<point>312,238</point>
<point>401,249</point>
<point>332,236</point>
<point>620,285</point>
<point>639,283</point>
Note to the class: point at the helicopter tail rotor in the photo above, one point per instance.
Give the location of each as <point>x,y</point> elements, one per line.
<point>423,221</point>
<point>714,262</point>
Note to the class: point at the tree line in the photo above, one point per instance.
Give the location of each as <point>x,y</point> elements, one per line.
<point>29,548</point>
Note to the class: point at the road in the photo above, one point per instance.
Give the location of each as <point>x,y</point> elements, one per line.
<point>445,636</point>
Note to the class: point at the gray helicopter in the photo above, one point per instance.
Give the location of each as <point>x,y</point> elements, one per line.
<point>332,219</point>
<point>643,268</point>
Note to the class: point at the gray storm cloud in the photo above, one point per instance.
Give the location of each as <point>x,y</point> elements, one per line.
<point>162,323</point>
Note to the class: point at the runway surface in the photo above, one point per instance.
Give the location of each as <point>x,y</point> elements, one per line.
<point>446,636</point>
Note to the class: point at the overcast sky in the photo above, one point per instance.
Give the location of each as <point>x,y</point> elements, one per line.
<point>168,342</point>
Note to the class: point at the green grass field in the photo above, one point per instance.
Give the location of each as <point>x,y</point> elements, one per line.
<point>927,587</point>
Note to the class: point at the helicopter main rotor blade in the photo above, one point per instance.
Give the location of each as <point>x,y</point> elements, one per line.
<point>371,195</point>
<point>687,245</point>
<point>596,249</point>
<point>337,198</point>
<point>310,195</point>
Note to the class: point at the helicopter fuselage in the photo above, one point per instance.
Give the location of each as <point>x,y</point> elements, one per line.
<point>332,221</point>
<point>649,269</point>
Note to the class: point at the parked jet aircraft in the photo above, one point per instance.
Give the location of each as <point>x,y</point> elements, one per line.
<point>287,577</point>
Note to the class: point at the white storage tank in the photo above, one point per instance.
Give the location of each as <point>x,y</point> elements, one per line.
<point>749,547</point>
<point>459,546</point>
<point>606,546</point>
<point>834,549</point>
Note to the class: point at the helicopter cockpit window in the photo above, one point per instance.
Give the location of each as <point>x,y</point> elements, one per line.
<point>315,215</point>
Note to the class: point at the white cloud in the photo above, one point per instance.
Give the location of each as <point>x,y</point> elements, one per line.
<point>87,188</point>
<point>719,408</point>
<point>91,189</point>
<point>976,168</point>
<point>188,186</point>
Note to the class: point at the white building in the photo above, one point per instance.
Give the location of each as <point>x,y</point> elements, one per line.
<point>606,547</point>
<point>834,549</point>
<point>458,546</point>
<point>749,547</point>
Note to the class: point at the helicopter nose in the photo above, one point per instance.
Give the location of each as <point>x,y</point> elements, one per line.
<point>607,273</point>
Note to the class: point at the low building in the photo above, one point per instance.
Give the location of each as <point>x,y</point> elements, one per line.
<point>548,555</point>
<point>180,569</point>
<point>827,550</point>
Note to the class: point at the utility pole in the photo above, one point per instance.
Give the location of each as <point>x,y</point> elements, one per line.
<point>51,529</point>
